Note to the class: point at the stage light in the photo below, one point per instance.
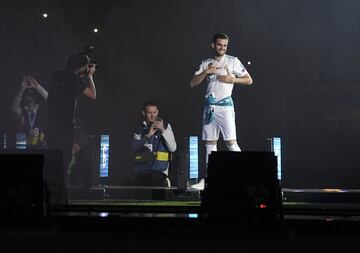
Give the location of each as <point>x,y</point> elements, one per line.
<point>45,15</point>
<point>21,142</point>
<point>4,141</point>
<point>193,157</point>
<point>103,215</point>
<point>249,62</point>
<point>262,206</point>
<point>96,30</point>
<point>275,146</point>
<point>104,155</point>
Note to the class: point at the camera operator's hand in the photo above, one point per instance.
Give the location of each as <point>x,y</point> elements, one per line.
<point>90,91</point>
<point>24,83</point>
<point>92,68</point>
<point>159,124</point>
<point>76,148</point>
<point>33,82</point>
<point>152,130</point>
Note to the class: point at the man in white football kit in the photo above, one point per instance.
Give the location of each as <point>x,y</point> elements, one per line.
<point>221,73</point>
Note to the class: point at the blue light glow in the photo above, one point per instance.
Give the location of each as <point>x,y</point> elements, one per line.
<point>276,148</point>
<point>193,157</point>
<point>104,155</point>
<point>21,141</point>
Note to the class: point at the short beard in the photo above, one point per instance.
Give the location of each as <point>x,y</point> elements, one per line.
<point>218,54</point>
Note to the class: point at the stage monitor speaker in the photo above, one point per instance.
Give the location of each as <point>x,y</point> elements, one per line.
<point>32,183</point>
<point>242,188</point>
<point>183,165</point>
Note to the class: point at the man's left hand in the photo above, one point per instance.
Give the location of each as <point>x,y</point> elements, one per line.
<point>159,124</point>
<point>228,78</point>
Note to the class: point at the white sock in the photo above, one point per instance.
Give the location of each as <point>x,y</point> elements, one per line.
<point>233,147</point>
<point>209,149</point>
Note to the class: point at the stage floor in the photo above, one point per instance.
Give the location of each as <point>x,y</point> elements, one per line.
<point>330,222</point>
<point>134,201</point>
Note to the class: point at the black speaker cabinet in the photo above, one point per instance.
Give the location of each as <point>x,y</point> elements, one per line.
<point>242,187</point>
<point>31,183</point>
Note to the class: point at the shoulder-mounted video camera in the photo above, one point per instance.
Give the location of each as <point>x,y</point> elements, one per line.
<point>89,51</point>
<point>81,58</point>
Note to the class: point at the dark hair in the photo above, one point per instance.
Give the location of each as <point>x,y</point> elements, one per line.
<point>28,95</point>
<point>220,36</point>
<point>76,61</point>
<point>149,103</point>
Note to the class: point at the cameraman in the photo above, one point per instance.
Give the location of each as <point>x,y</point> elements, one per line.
<point>65,86</point>
<point>152,144</point>
<point>27,107</point>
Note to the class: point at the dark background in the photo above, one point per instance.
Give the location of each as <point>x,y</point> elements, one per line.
<point>304,61</point>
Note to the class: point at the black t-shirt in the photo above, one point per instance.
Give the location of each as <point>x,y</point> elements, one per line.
<point>64,89</point>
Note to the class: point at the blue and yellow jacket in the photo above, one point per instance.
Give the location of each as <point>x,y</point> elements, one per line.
<point>153,153</point>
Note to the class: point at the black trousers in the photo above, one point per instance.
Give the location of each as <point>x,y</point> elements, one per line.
<point>63,142</point>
